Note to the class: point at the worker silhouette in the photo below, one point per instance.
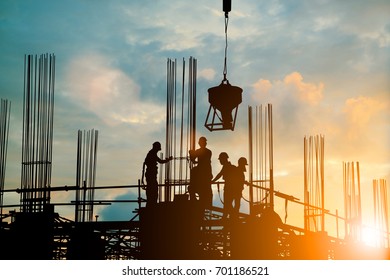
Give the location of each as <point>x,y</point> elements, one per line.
<point>201,174</point>
<point>227,172</point>
<point>238,185</point>
<point>150,163</point>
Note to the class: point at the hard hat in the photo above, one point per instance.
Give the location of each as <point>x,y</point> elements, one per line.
<point>242,161</point>
<point>157,145</point>
<point>223,155</point>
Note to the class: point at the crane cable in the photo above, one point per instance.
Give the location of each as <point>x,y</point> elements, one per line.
<point>226,46</point>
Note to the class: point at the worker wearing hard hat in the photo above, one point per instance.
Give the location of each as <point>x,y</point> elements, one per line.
<point>201,174</point>
<point>227,173</point>
<point>239,182</point>
<point>150,163</point>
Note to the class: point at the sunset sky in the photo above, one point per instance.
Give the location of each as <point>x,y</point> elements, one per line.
<point>324,65</point>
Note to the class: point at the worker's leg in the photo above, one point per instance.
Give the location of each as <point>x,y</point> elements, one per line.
<point>151,191</point>
<point>227,203</point>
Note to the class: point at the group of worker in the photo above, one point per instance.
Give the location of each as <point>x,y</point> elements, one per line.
<point>201,177</point>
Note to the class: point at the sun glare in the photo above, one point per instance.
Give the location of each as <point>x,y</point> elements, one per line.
<point>370,237</point>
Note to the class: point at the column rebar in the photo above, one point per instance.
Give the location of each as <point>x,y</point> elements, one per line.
<point>87,144</point>
<point>5,111</point>
<point>37,133</point>
<point>314,189</point>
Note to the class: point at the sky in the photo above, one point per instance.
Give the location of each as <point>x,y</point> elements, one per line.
<point>324,65</point>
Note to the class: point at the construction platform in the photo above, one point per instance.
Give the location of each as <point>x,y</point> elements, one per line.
<point>172,230</point>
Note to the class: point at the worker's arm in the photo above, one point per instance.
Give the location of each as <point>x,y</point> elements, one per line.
<point>219,175</point>
<point>193,156</point>
<point>164,160</point>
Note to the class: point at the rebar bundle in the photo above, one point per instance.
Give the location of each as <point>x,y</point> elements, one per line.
<point>381,212</point>
<point>180,128</point>
<point>87,143</point>
<point>314,194</point>
<point>37,137</point>
<point>5,110</point>
<point>352,200</point>
<point>261,157</point>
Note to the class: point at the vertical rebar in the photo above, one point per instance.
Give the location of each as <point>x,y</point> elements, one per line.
<point>5,111</point>
<point>381,212</point>
<point>270,155</point>
<point>180,127</point>
<point>261,156</point>
<point>314,189</point>
<point>352,200</point>
<point>87,143</point>
<point>37,134</point>
<point>250,144</point>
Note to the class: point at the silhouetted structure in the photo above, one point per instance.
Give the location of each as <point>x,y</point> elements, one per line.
<point>5,110</point>
<point>314,183</point>
<point>180,129</point>
<point>85,243</point>
<point>37,137</point>
<point>87,144</point>
<point>352,201</point>
<point>171,230</point>
<point>257,237</point>
<point>260,169</point>
<point>381,212</point>
<point>224,100</point>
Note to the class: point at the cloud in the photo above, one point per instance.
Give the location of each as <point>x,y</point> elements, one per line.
<point>119,211</point>
<point>207,74</point>
<point>95,84</point>
<point>173,29</point>
<point>291,86</point>
<point>359,114</point>
<point>307,93</point>
<point>263,86</point>
<point>298,110</point>
<point>296,106</point>
<point>322,23</point>
<point>295,101</point>
<point>366,21</point>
